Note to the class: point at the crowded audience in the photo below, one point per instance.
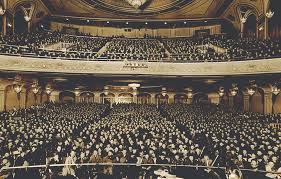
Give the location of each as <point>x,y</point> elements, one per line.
<point>135,49</point>
<point>177,134</point>
<point>42,43</point>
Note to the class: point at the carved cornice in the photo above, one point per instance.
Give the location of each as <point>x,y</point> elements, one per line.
<point>12,63</point>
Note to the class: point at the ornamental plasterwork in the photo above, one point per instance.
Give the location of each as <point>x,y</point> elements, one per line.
<point>161,68</point>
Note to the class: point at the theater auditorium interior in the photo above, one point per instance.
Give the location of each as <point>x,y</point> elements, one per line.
<point>140,89</point>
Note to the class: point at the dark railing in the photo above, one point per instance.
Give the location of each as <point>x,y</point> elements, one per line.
<point>24,51</point>
<point>143,170</point>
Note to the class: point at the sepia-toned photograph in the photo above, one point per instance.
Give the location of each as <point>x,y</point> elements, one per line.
<point>140,89</point>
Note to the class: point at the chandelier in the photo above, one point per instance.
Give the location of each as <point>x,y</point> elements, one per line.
<point>35,87</point>
<point>17,84</point>
<point>136,3</point>
<point>251,91</point>
<point>48,89</point>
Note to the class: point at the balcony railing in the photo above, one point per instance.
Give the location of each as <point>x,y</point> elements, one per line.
<point>138,170</point>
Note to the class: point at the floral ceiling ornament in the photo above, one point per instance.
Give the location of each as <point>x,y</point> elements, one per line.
<point>136,3</point>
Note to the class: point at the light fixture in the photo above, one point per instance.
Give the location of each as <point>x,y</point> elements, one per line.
<point>243,20</point>
<point>134,86</point>
<point>27,18</point>
<point>88,20</point>
<point>127,23</point>
<point>106,90</point>
<point>136,3</point>
<point>164,91</point>
<point>221,91</point>
<point>2,11</point>
<point>165,23</point>
<point>251,91</point>
<point>269,14</point>
<point>35,90</point>
<point>189,94</point>
<point>107,22</point>
<point>184,22</point>
<point>233,92</point>
<point>275,90</point>
<point>48,89</point>
<point>17,88</point>
<point>76,91</point>
<point>35,86</point>
<point>146,23</point>
<point>17,84</point>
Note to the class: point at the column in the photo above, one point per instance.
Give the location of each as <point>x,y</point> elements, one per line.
<point>4,25</point>
<point>77,98</point>
<point>246,102</point>
<point>97,97</point>
<point>22,99</point>
<point>267,102</point>
<point>135,99</point>
<point>54,96</point>
<point>2,100</point>
<point>268,15</point>
<point>242,23</point>
<point>171,98</point>
<point>3,86</point>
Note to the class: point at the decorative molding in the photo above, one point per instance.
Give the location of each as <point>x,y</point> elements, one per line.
<point>26,64</point>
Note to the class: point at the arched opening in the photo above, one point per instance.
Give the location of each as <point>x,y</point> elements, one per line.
<point>44,97</point>
<point>87,97</point>
<point>125,98</point>
<point>9,23</point>
<point>160,99</point>
<point>31,98</point>
<point>67,97</point>
<point>20,23</point>
<point>257,101</point>
<point>200,98</point>
<point>274,24</point>
<point>276,100</point>
<point>180,98</point>
<point>251,26</point>
<point>144,98</point>
<point>238,102</point>
<point>108,99</point>
<point>12,99</point>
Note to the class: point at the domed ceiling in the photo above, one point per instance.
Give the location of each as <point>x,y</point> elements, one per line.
<point>138,9</point>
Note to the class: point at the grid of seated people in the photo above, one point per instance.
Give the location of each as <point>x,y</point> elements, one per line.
<point>90,140</point>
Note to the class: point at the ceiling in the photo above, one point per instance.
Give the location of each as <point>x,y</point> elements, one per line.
<point>151,9</point>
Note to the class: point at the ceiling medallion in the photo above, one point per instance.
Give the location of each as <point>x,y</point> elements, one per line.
<point>136,3</point>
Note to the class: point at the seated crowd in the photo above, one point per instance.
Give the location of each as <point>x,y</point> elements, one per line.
<point>178,134</point>
<point>191,49</point>
<point>135,49</point>
<point>204,49</point>
<point>36,44</point>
